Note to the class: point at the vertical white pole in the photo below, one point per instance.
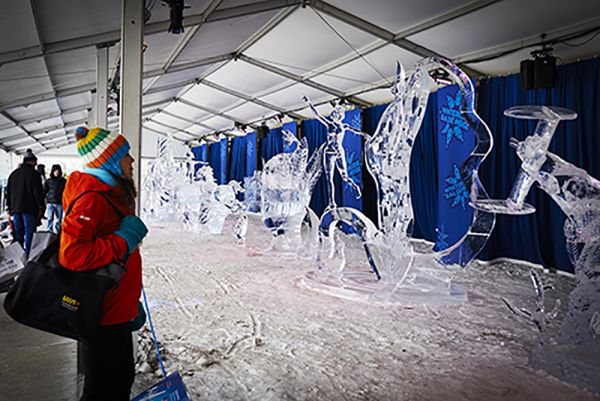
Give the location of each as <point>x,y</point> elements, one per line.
<point>101,86</point>
<point>131,81</point>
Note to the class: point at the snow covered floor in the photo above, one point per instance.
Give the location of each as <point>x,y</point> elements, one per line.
<point>238,326</point>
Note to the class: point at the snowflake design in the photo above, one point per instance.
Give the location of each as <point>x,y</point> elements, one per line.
<point>354,167</point>
<point>456,191</point>
<point>455,125</point>
<point>442,239</point>
<point>249,148</point>
<point>354,121</point>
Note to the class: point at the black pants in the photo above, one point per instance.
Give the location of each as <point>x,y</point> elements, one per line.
<point>108,364</point>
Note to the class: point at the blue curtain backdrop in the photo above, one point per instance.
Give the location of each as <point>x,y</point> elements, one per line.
<point>354,159</point>
<point>539,237</point>
<point>237,162</point>
<point>316,134</point>
<point>200,154</point>
<point>250,153</point>
<point>272,144</point>
<point>242,161</point>
<point>455,143</point>
<point>370,119</point>
<point>218,160</point>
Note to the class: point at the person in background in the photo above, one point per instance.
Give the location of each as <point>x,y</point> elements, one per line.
<point>25,200</point>
<point>53,191</point>
<point>94,235</point>
<point>41,168</point>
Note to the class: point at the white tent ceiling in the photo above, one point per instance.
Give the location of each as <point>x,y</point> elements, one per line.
<point>248,60</point>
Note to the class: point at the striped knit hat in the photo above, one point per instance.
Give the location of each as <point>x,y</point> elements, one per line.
<point>101,148</point>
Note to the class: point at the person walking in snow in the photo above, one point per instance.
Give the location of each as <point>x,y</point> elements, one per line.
<point>53,191</point>
<point>94,235</point>
<point>25,200</point>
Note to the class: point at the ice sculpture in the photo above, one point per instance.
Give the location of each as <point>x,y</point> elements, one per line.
<point>183,193</point>
<point>397,272</point>
<point>334,155</point>
<point>575,353</point>
<point>160,185</point>
<point>540,318</point>
<point>287,183</point>
<point>252,192</point>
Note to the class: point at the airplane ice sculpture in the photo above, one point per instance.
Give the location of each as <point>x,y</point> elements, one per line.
<point>287,183</point>
<point>575,354</point>
<point>397,272</point>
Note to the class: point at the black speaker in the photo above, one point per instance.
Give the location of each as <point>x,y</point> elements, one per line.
<point>544,73</point>
<point>538,73</point>
<point>526,75</point>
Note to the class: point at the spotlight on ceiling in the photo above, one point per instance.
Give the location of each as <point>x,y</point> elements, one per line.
<point>176,15</point>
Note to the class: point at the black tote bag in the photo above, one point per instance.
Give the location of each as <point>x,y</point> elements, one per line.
<point>51,298</point>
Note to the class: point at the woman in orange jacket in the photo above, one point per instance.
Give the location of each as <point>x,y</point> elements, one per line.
<point>94,235</point>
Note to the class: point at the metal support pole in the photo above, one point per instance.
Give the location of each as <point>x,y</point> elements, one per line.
<point>101,94</point>
<point>130,123</point>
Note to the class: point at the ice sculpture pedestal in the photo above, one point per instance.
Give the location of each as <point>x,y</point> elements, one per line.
<point>426,282</point>
<point>575,365</point>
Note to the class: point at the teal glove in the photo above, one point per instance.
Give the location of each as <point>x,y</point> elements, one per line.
<point>132,230</point>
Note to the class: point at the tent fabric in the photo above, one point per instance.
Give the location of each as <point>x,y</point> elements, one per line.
<point>538,237</point>
<point>245,62</point>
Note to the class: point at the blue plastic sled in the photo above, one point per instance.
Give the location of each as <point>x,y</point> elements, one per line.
<point>169,389</point>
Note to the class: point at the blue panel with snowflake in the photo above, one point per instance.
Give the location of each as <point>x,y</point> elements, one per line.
<point>353,147</point>
<point>293,128</point>
<point>456,141</point>
<point>218,160</point>
<point>250,153</point>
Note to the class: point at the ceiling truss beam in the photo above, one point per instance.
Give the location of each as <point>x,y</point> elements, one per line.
<point>248,98</point>
<point>378,32</point>
<point>187,120</point>
<point>299,79</point>
<point>212,111</point>
<point>112,37</point>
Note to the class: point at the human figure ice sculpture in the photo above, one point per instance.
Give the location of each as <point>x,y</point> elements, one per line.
<point>398,273</point>
<point>287,183</point>
<point>334,155</point>
<point>575,354</point>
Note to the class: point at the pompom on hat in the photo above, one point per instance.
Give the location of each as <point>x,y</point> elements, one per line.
<point>101,148</point>
<point>29,156</point>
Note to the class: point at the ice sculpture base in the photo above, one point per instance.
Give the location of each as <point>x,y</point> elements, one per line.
<point>575,365</point>
<point>422,288</point>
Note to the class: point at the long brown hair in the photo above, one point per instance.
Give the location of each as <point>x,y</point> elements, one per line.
<point>129,190</point>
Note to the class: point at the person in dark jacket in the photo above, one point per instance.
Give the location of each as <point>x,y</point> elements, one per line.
<point>53,191</point>
<point>25,200</point>
<point>41,168</point>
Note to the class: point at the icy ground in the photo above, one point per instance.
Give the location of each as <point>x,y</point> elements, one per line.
<point>239,326</point>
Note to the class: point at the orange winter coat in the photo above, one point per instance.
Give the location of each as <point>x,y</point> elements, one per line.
<point>88,241</point>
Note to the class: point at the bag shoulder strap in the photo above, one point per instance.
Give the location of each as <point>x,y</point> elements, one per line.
<point>119,213</point>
